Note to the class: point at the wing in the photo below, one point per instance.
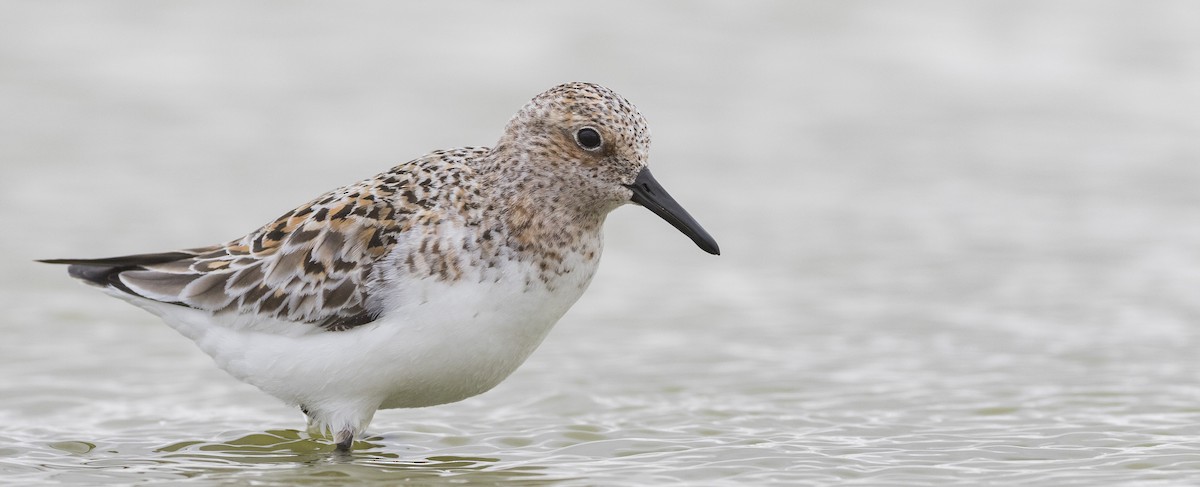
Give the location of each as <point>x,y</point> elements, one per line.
<point>315,264</point>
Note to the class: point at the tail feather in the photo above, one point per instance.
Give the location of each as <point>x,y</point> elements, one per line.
<point>106,272</point>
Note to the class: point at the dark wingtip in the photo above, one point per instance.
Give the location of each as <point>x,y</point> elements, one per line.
<point>93,274</point>
<point>84,269</point>
<point>124,260</point>
<point>106,272</point>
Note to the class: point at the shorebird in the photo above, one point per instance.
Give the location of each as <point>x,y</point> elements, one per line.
<point>426,284</point>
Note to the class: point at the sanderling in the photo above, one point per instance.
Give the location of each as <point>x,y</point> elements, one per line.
<point>427,284</point>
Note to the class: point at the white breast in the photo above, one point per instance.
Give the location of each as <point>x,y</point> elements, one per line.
<point>450,341</point>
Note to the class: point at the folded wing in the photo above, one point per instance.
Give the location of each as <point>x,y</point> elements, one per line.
<point>315,264</point>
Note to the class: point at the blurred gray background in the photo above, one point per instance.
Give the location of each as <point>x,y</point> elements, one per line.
<point>973,222</point>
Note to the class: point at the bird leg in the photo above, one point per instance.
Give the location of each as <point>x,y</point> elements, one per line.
<point>345,440</point>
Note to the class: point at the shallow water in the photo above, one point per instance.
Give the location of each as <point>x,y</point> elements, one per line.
<point>960,240</point>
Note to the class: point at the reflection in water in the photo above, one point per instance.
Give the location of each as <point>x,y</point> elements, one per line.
<point>289,457</point>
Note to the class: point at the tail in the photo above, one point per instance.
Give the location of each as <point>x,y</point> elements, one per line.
<point>106,272</point>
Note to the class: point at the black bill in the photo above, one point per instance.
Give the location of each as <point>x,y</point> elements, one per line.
<point>648,193</point>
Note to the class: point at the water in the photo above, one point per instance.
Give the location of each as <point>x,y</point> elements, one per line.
<point>960,239</point>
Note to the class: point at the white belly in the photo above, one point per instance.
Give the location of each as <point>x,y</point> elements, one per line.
<point>435,343</point>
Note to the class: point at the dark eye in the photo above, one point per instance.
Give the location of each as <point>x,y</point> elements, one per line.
<point>588,138</point>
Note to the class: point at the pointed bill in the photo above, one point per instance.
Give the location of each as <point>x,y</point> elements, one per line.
<point>648,193</point>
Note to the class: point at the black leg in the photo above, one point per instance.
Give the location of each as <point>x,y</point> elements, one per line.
<point>345,440</point>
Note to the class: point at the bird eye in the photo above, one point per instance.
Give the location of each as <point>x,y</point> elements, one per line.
<point>588,138</point>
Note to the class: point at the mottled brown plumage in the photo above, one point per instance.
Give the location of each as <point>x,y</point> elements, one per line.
<point>425,284</point>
